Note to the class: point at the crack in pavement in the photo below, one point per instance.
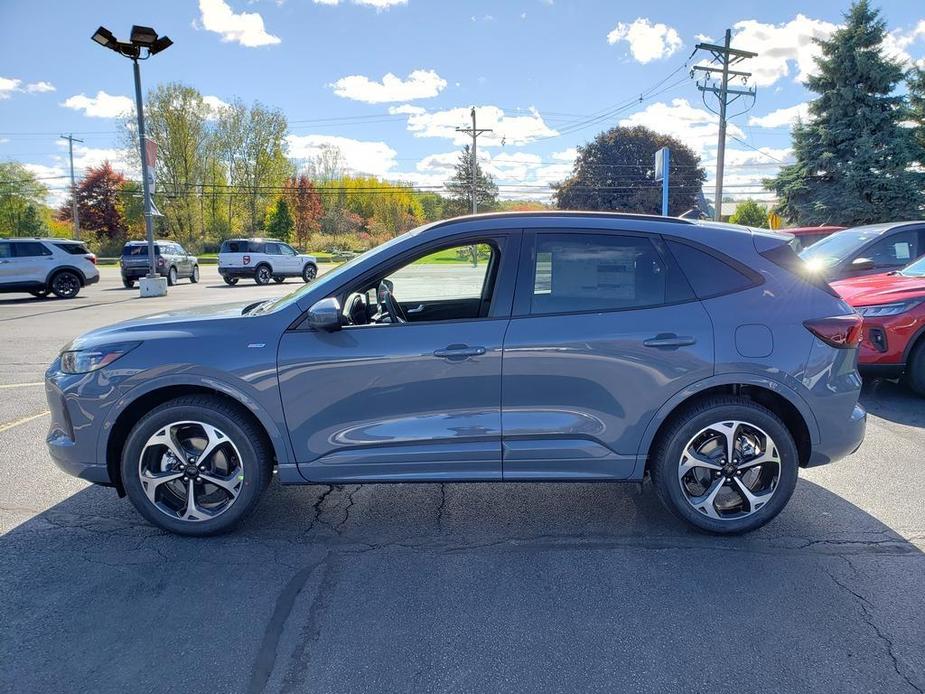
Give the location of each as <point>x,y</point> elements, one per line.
<point>350,502</point>
<point>867,611</point>
<point>316,507</point>
<point>441,508</point>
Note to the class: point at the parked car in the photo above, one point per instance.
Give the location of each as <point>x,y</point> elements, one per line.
<point>263,260</point>
<point>588,346</point>
<point>807,236</point>
<point>893,307</point>
<point>866,250</point>
<point>42,266</point>
<point>171,260</point>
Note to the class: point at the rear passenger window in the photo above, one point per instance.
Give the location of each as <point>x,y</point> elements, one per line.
<point>707,274</point>
<point>30,249</point>
<point>272,249</point>
<point>597,272</point>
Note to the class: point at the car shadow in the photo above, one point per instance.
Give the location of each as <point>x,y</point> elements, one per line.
<point>893,401</point>
<point>430,587</point>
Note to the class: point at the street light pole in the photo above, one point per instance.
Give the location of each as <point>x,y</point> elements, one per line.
<point>145,188</point>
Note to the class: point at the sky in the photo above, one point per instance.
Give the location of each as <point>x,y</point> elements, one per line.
<point>389,81</point>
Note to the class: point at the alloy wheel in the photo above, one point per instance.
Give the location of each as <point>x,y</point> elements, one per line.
<point>191,471</point>
<point>729,470</point>
<point>65,285</point>
<point>263,275</point>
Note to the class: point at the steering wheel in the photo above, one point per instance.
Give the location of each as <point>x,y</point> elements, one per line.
<point>387,301</point>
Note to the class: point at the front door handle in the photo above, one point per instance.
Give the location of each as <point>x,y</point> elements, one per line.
<point>459,352</point>
<point>669,341</point>
<point>416,309</point>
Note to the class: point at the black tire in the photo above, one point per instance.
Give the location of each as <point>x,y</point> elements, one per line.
<point>668,450</point>
<point>194,278</point>
<point>231,419</point>
<point>128,284</point>
<point>230,281</point>
<point>39,293</point>
<point>171,276</point>
<point>263,274</point>
<point>65,284</point>
<point>279,280</point>
<point>309,272</point>
<point>914,377</point>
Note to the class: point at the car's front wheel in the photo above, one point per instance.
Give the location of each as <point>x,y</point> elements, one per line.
<point>194,278</point>
<point>195,465</point>
<point>128,284</point>
<point>279,279</point>
<point>727,465</point>
<point>309,272</point>
<point>171,277</point>
<point>65,284</point>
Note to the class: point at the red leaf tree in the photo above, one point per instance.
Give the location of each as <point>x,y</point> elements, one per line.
<point>305,206</point>
<point>99,203</point>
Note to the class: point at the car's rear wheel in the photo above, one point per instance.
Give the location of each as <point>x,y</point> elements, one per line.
<point>278,279</point>
<point>727,465</point>
<point>230,281</point>
<point>194,278</point>
<point>171,277</point>
<point>65,284</point>
<point>128,284</point>
<point>309,272</point>
<point>263,275</point>
<point>195,465</point>
<point>915,369</point>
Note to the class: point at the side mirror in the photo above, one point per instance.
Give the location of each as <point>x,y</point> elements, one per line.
<point>862,264</point>
<point>325,315</point>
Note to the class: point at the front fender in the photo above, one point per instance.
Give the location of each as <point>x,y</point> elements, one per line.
<point>723,379</point>
<point>238,391</point>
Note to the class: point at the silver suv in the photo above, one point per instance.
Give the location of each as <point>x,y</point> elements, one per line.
<point>42,266</point>
<point>263,260</point>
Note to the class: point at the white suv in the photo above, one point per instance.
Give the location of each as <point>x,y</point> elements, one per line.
<point>40,266</point>
<point>263,260</point>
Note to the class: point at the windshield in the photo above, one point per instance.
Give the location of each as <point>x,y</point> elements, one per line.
<point>916,269</point>
<point>330,279</point>
<point>835,248</point>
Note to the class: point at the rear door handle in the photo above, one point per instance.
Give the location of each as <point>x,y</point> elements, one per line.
<point>669,341</point>
<point>459,352</point>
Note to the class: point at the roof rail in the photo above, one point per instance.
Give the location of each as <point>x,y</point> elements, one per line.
<point>569,213</point>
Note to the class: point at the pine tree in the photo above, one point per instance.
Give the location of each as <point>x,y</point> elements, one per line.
<point>853,156</point>
<point>279,222</point>
<point>460,186</point>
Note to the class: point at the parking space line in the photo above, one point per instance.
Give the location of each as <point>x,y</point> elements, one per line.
<point>21,385</point>
<point>22,420</point>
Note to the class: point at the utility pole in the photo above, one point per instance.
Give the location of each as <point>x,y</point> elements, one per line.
<point>723,56</point>
<point>474,132</point>
<point>70,149</point>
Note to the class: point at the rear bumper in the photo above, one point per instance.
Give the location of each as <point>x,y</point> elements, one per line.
<point>92,279</point>
<point>136,273</point>
<point>881,370</point>
<point>841,443</point>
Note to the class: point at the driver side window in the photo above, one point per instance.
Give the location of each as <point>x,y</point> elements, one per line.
<point>449,274</point>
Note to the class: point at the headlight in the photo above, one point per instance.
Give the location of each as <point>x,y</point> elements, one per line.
<point>888,309</point>
<point>81,361</point>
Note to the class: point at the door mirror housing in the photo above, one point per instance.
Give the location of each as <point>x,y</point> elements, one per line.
<point>862,264</point>
<point>325,315</point>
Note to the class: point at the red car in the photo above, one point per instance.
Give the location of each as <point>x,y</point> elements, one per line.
<point>893,307</point>
<point>807,236</point>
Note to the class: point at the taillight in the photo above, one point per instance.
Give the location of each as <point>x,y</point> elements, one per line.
<point>160,262</point>
<point>91,257</point>
<point>843,332</point>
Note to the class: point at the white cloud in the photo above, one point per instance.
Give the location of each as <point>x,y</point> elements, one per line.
<point>896,43</point>
<point>361,156</point>
<point>40,87</point>
<point>420,84</point>
<point>782,117</point>
<point>695,127</point>
<point>216,106</point>
<point>380,5</point>
<point>512,129</point>
<point>103,105</point>
<point>780,45</point>
<point>8,85</point>
<point>245,28</point>
<point>406,109</point>
<point>647,41</point>
<point>704,38</point>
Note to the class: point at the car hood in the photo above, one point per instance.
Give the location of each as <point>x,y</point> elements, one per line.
<point>880,289</point>
<point>164,324</point>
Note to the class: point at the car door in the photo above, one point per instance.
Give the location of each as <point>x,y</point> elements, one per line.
<point>7,264</point>
<point>183,260</point>
<point>402,401</point>
<point>274,257</point>
<point>291,263</point>
<point>605,330</point>
<point>892,252</point>
<point>32,261</point>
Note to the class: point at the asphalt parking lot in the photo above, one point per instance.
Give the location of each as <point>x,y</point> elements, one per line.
<point>467,587</point>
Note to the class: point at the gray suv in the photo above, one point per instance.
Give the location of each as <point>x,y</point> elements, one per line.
<point>171,260</point>
<point>510,347</point>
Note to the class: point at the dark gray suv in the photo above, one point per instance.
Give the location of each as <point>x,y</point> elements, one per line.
<point>171,260</point>
<point>513,347</point>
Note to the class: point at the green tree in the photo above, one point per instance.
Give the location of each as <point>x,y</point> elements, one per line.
<point>20,192</point>
<point>749,213</point>
<point>279,221</point>
<point>853,156</point>
<point>615,171</point>
<point>460,187</point>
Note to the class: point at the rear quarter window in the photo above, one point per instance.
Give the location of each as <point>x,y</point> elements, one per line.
<point>708,274</point>
<point>73,248</point>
